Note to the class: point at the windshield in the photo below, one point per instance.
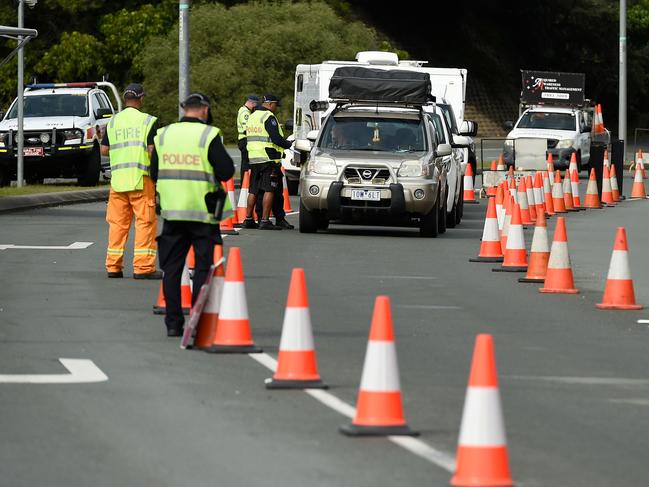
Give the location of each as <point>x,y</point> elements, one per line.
<point>375,134</point>
<point>447,110</point>
<point>547,120</point>
<point>53,106</point>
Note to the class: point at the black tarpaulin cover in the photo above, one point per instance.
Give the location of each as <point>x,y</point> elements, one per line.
<point>380,85</point>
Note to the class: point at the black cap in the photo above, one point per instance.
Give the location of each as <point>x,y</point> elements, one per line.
<point>254,98</point>
<point>268,98</point>
<point>134,90</point>
<point>196,99</point>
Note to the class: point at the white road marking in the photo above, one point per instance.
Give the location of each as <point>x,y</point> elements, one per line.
<point>413,445</point>
<point>72,246</point>
<point>426,306</point>
<point>643,322</point>
<point>588,381</point>
<point>634,402</point>
<point>81,371</point>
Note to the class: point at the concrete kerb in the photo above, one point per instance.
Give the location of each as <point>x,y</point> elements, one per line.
<point>42,200</point>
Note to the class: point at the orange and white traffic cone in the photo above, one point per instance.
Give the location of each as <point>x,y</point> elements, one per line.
<point>598,120</point>
<point>191,258</point>
<point>607,191</point>
<point>482,457</point>
<point>515,259</point>
<point>550,163</point>
<point>547,194</point>
<point>227,224</point>
<point>207,323</point>
<point>233,333</point>
<point>531,199</point>
<point>501,163</point>
<point>592,194</point>
<point>522,202</point>
<point>539,253</point>
<point>500,208</point>
<point>506,221</point>
<point>490,249</point>
<point>619,293</point>
<point>160,306</point>
<point>491,190</point>
<point>638,190</point>
<point>379,409</point>
<point>229,186</point>
<point>639,161</point>
<point>242,204</point>
<point>559,279</point>
<point>537,187</point>
<point>186,290</point>
<point>607,162</point>
<point>615,189</point>
<point>573,163</point>
<point>287,197</point>
<point>469,192</point>
<point>558,201</point>
<point>567,192</point>
<point>297,366</point>
<point>574,185</point>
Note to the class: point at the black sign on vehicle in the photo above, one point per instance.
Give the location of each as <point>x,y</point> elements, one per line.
<point>552,88</point>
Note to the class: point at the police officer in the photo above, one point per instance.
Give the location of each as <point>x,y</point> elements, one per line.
<point>188,162</point>
<point>242,119</point>
<point>266,144</point>
<point>129,142</point>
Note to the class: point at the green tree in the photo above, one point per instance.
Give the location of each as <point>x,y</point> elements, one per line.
<point>251,48</point>
<point>75,58</point>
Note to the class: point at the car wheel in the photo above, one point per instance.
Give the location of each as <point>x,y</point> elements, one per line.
<point>323,222</point>
<point>292,185</point>
<point>89,169</point>
<point>441,220</point>
<point>428,225</point>
<point>460,204</point>
<point>308,220</point>
<point>451,217</point>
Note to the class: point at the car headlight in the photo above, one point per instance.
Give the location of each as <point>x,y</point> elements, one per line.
<point>3,138</point>
<point>509,143</point>
<point>413,169</point>
<point>564,144</point>
<point>323,165</point>
<point>71,136</point>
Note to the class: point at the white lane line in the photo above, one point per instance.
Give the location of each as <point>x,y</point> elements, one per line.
<point>72,246</point>
<point>633,402</point>
<point>413,445</point>
<point>426,306</point>
<point>643,322</point>
<point>81,371</point>
<point>588,381</point>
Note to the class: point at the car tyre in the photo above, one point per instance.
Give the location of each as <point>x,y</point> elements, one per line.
<point>451,217</point>
<point>428,224</point>
<point>460,203</point>
<point>441,220</point>
<point>89,169</point>
<point>308,220</point>
<point>292,186</point>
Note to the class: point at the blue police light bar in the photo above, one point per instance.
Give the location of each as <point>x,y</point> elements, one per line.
<point>87,84</point>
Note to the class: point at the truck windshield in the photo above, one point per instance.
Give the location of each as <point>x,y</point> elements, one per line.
<point>547,120</point>
<point>375,134</point>
<point>53,106</point>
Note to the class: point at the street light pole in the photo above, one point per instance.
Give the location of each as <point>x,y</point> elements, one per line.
<point>621,131</point>
<point>183,52</point>
<point>21,76</point>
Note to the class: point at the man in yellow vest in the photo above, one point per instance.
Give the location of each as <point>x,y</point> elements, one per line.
<point>242,120</point>
<point>266,144</point>
<point>129,141</point>
<point>189,162</point>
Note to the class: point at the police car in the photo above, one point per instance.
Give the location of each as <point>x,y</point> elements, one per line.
<point>63,126</point>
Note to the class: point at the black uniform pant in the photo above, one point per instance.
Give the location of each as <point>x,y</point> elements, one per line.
<point>173,245</point>
<point>278,204</point>
<point>245,160</point>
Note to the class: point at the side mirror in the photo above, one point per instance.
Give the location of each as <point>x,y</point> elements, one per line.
<point>289,125</point>
<point>303,145</point>
<point>312,135</point>
<point>469,128</point>
<point>443,150</point>
<point>103,113</point>
<point>508,125</point>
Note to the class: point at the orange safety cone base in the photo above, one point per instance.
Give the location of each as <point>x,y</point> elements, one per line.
<point>514,268</point>
<point>360,430</point>
<point>486,259</point>
<point>295,384</point>
<point>619,294</point>
<point>558,291</point>
<point>491,462</point>
<point>619,306</point>
<point>234,349</point>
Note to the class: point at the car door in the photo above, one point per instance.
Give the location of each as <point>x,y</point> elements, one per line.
<point>584,137</point>
<point>443,136</point>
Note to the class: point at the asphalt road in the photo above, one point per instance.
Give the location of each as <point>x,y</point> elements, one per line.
<point>574,380</point>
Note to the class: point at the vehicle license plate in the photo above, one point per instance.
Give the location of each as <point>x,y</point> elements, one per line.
<point>366,195</point>
<point>33,151</point>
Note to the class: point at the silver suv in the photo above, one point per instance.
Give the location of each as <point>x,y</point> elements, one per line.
<point>378,165</point>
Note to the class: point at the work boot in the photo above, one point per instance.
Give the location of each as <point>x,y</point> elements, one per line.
<point>115,275</point>
<point>284,224</point>
<point>250,223</point>
<point>268,225</point>
<point>174,332</point>
<point>155,275</point>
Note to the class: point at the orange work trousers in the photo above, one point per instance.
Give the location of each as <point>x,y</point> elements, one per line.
<point>119,215</point>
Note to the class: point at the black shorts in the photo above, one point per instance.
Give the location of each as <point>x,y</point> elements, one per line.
<point>266,177</point>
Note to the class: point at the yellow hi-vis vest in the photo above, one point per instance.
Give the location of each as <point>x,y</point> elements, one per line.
<point>185,175</point>
<point>129,159</point>
<point>242,120</point>
<point>259,138</point>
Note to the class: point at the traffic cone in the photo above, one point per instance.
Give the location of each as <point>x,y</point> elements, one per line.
<point>638,190</point>
<point>469,192</point>
<point>490,249</point>
<point>491,190</point>
<point>550,163</point>
<point>559,275</point>
<point>482,459</point>
<point>639,161</point>
<point>515,259</point>
<point>607,162</point>
<point>296,363</point>
<point>379,409</point>
<point>191,258</point>
<point>614,187</point>
<point>233,333</point>
<point>227,224</point>
<point>538,193</point>
<point>500,206</point>
<point>619,293</point>
<point>287,198</point>
<point>567,192</point>
<point>507,221</point>
<point>186,290</point>
<point>531,199</point>
<point>539,253</point>
<point>547,194</point>
<point>574,183</point>
<point>207,323</point>
<point>522,202</point>
<point>573,163</point>
<point>242,204</point>
<point>501,163</point>
<point>592,194</point>
<point>558,201</point>
<point>160,306</point>
<point>598,120</point>
<point>607,191</point>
